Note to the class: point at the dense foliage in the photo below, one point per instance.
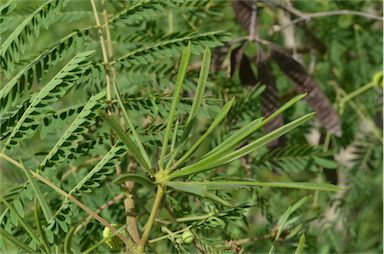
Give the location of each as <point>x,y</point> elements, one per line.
<point>186,126</point>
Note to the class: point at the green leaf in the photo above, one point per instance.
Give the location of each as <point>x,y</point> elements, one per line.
<point>39,195</point>
<point>218,159</point>
<point>248,129</point>
<point>224,185</point>
<point>204,71</point>
<point>132,149</point>
<point>16,241</point>
<point>127,119</point>
<point>235,139</point>
<point>300,246</point>
<point>20,220</point>
<point>219,118</point>
<point>22,82</point>
<point>14,45</point>
<point>325,163</point>
<point>199,190</point>
<point>284,218</point>
<point>175,101</point>
<point>134,178</point>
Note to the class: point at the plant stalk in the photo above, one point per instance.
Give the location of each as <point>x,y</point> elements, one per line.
<point>159,197</point>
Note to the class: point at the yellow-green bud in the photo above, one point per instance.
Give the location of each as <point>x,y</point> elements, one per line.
<point>115,242</point>
<point>187,236</point>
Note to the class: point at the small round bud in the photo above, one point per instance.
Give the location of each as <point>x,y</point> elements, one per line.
<point>115,242</point>
<point>187,236</point>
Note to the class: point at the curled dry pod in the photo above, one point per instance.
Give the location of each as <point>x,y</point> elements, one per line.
<point>316,99</point>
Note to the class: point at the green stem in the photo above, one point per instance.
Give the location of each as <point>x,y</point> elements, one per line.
<point>357,92</point>
<point>159,197</point>
<point>170,234</point>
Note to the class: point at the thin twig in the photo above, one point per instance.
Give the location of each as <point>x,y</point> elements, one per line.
<point>156,206</point>
<point>253,23</point>
<point>309,16</point>
<point>98,210</point>
<point>168,235</point>
<point>104,51</point>
<point>129,203</point>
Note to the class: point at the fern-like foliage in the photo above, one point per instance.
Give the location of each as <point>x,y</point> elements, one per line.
<point>92,180</point>
<point>295,158</point>
<point>14,45</point>
<point>64,147</point>
<point>136,13</point>
<point>4,11</point>
<point>56,88</point>
<point>33,72</point>
<point>171,46</point>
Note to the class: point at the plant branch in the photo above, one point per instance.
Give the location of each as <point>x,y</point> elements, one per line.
<point>309,16</point>
<point>129,203</point>
<point>156,206</point>
<point>103,50</point>
<point>170,234</point>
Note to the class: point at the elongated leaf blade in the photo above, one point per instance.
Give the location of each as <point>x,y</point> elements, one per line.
<point>127,119</point>
<point>134,178</point>
<point>251,127</point>
<point>219,118</point>
<point>300,246</point>
<point>204,71</point>
<point>175,101</point>
<point>220,159</point>
<point>198,190</point>
<point>132,149</point>
<point>224,185</point>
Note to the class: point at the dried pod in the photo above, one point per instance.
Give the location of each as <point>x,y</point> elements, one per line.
<point>316,99</point>
<point>241,62</point>
<point>243,12</point>
<point>269,98</point>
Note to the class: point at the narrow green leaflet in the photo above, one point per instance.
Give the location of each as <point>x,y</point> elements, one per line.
<point>204,71</point>
<point>12,47</point>
<point>175,101</point>
<point>300,246</point>
<point>225,185</point>
<point>220,159</point>
<point>199,190</point>
<point>127,119</point>
<point>134,178</point>
<point>231,142</point>
<point>132,149</point>
<point>219,118</point>
<point>27,227</point>
<point>39,195</point>
<point>24,79</point>
<point>250,128</point>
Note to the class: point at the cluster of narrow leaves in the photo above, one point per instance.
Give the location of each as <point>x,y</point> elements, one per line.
<point>176,164</point>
